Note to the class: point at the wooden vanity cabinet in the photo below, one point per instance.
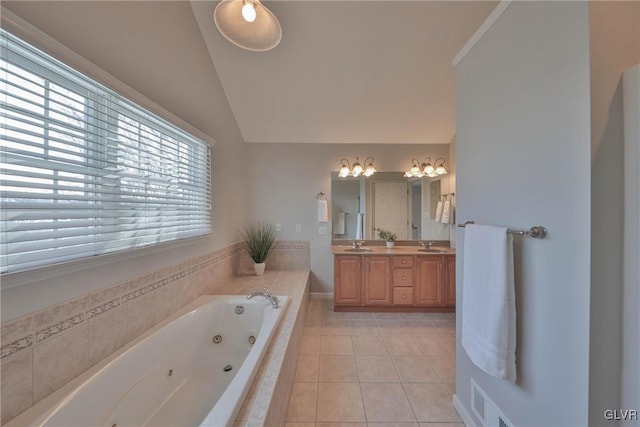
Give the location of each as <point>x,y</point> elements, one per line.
<point>347,280</point>
<point>450,281</point>
<point>429,283</point>
<point>377,276</point>
<point>394,282</point>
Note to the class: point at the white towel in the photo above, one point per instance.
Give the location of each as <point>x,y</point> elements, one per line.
<point>339,223</point>
<point>439,211</point>
<point>360,226</point>
<point>446,213</point>
<point>488,300</point>
<point>323,211</point>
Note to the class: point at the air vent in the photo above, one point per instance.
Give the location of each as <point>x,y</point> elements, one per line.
<point>477,402</point>
<point>486,411</point>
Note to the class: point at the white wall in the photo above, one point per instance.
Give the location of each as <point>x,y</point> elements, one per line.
<point>614,46</point>
<point>630,366</point>
<point>156,48</point>
<point>523,159</point>
<point>286,178</point>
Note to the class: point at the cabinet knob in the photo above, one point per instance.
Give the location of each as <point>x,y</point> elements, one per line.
<point>404,261</point>
<point>404,297</point>
<point>404,277</point>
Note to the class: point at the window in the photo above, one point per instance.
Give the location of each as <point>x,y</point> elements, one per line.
<point>85,171</point>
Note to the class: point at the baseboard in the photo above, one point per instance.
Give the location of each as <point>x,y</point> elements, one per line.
<point>467,419</point>
<point>321,295</point>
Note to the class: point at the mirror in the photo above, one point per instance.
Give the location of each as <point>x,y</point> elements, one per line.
<point>406,206</point>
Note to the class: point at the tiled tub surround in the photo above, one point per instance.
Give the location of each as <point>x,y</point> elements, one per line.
<point>43,351</point>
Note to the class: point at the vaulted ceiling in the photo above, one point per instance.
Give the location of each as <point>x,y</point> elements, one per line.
<point>348,71</point>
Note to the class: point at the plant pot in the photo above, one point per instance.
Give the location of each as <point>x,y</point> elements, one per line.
<point>259,268</point>
<point>390,245</point>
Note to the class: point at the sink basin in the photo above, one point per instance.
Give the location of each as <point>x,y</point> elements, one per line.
<point>357,250</point>
<point>432,251</point>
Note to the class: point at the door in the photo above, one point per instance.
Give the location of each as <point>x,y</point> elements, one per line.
<point>450,291</point>
<point>390,207</point>
<point>377,280</point>
<point>429,289</point>
<point>347,280</point>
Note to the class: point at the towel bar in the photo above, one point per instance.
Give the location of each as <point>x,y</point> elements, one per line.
<point>537,231</point>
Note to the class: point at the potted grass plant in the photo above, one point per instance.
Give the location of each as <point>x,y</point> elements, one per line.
<point>259,241</point>
<point>387,236</point>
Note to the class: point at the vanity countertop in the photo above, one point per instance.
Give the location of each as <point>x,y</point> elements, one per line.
<point>396,250</point>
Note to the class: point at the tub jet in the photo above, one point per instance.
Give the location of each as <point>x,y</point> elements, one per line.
<point>252,340</point>
<point>227,368</point>
<point>217,339</point>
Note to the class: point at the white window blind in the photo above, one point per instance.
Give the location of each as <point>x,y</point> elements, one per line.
<point>85,171</point>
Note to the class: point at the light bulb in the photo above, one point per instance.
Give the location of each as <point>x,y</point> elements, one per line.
<point>440,170</point>
<point>357,169</point>
<point>249,11</point>
<point>428,169</point>
<point>344,172</point>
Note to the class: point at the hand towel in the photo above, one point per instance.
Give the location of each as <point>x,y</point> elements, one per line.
<point>323,211</point>
<point>438,217</point>
<point>360,226</point>
<point>446,213</point>
<point>488,300</point>
<point>339,223</point>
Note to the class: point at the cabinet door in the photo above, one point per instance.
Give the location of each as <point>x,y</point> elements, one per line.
<point>347,280</point>
<point>377,280</point>
<point>429,285</point>
<point>450,291</point>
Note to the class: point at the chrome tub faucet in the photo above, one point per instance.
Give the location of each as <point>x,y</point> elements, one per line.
<point>275,303</point>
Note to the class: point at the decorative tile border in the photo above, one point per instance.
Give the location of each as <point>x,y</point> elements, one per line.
<point>16,346</point>
<point>59,327</point>
<point>185,269</point>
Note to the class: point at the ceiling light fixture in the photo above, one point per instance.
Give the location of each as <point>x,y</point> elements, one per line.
<point>367,170</point>
<point>426,169</point>
<point>247,24</point>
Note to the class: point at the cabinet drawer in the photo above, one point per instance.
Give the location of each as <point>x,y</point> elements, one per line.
<point>403,261</point>
<point>403,277</point>
<point>403,296</point>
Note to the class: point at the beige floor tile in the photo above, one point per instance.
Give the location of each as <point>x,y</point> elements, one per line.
<point>364,327</point>
<point>445,327</point>
<point>451,387</point>
<point>336,368</point>
<point>421,327</point>
<point>340,344</point>
<point>445,367</point>
<point>300,425</point>
<point>376,369</point>
<point>402,345</point>
<point>340,402</point>
<point>415,369</point>
<point>384,402</point>
<point>441,425</point>
<point>368,344</point>
<point>431,402</point>
<point>307,368</point>
<point>302,404</point>
<point>392,425</point>
<point>341,424</point>
<point>438,345</point>
<point>310,344</point>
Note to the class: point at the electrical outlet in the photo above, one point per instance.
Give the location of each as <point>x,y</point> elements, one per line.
<point>322,231</point>
<point>278,227</point>
<point>297,227</point>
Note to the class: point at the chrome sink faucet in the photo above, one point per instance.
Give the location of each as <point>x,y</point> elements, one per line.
<point>427,245</point>
<point>275,303</point>
<point>356,244</point>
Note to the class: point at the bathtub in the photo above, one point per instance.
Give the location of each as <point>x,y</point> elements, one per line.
<point>192,369</point>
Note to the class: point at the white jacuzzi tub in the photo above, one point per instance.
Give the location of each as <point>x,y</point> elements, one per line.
<point>192,369</point>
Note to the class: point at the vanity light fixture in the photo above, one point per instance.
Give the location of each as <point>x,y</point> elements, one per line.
<point>426,169</point>
<point>247,24</point>
<point>367,170</point>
